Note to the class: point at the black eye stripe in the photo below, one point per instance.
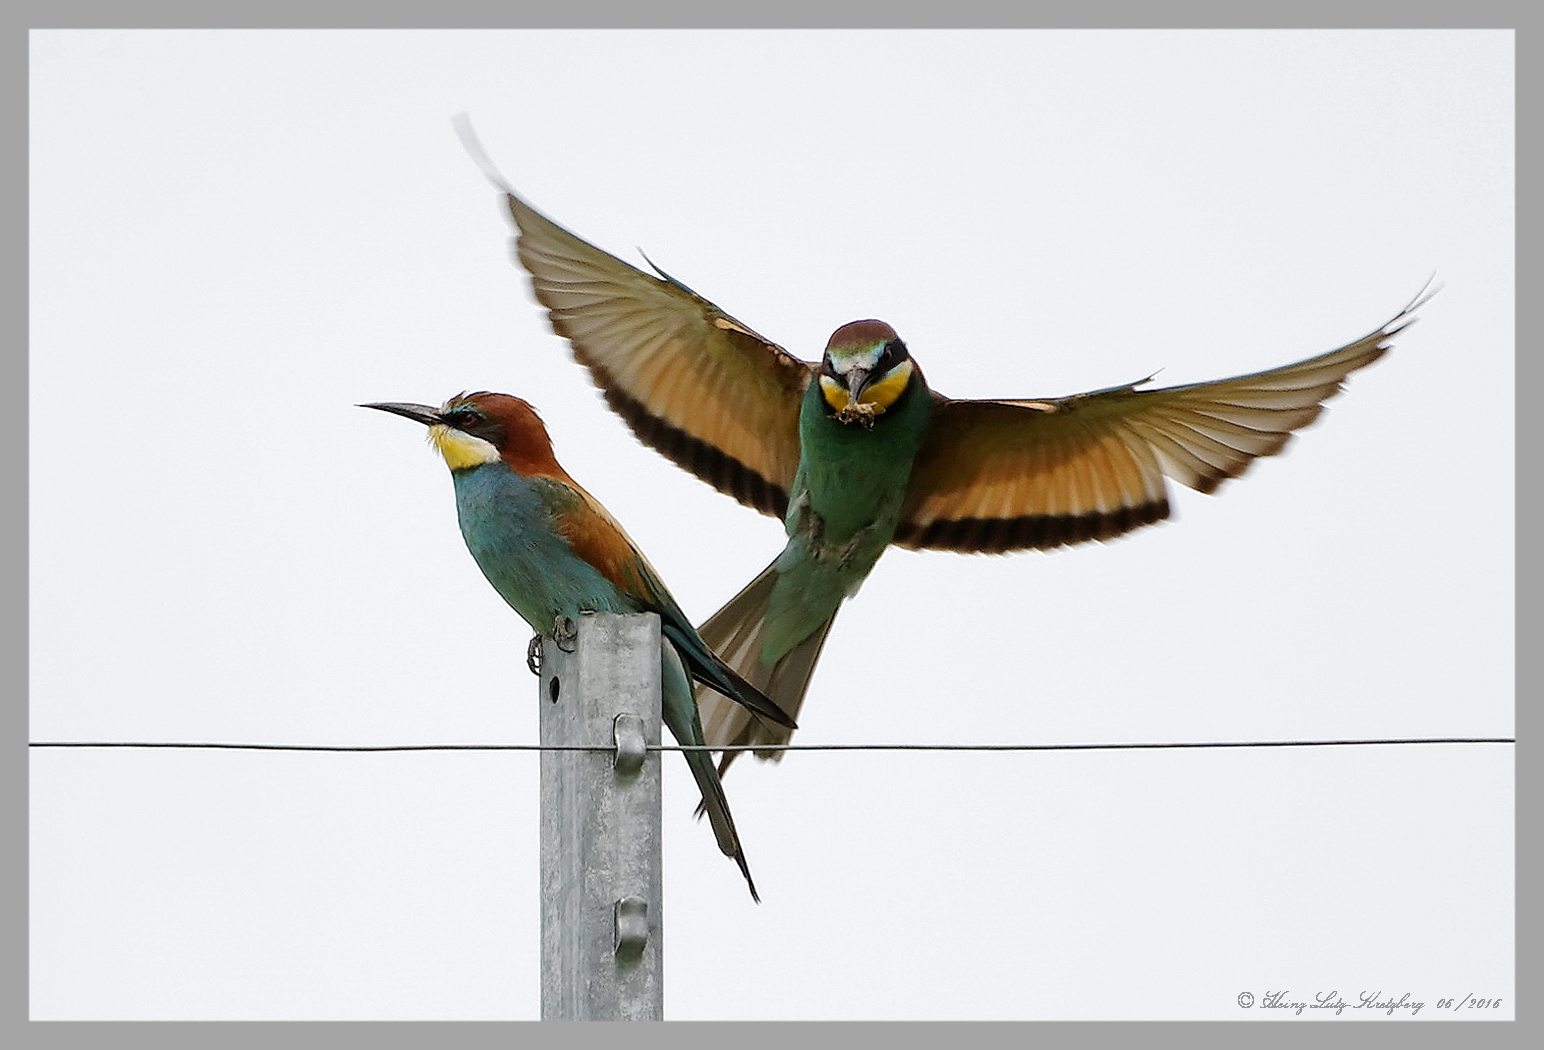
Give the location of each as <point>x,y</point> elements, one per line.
<point>470,421</point>
<point>893,354</point>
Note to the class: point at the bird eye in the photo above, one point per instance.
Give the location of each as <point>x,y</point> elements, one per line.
<point>461,418</point>
<point>893,352</point>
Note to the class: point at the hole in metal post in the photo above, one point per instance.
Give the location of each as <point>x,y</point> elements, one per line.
<point>552,689</point>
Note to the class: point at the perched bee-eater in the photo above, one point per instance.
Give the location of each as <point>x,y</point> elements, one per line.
<point>856,452</point>
<point>552,552</point>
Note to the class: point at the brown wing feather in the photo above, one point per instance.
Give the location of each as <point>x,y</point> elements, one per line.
<point>1005,475</point>
<point>599,539</point>
<point>692,382</point>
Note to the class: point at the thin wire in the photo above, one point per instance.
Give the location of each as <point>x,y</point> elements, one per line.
<point>784,747</point>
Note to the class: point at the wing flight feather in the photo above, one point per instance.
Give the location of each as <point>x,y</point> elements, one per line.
<point>1006,475</point>
<point>691,381</point>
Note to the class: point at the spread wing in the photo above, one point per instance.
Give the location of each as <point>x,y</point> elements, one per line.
<point>1006,475</point>
<point>691,381</point>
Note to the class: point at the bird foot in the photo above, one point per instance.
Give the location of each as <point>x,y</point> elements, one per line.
<point>849,550</point>
<point>565,633</point>
<point>533,655</point>
<point>806,523</point>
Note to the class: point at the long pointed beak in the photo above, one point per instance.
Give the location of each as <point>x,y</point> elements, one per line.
<point>857,382</point>
<point>421,413</point>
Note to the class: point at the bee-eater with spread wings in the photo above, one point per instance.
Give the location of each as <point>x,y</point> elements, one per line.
<point>552,552</point>
<point>857,452</point>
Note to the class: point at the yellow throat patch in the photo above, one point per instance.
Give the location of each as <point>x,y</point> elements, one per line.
<point>461,450</point>
<point>872,402</point>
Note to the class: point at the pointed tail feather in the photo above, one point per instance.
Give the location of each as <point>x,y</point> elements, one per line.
<point>716,805</point>
<point>736,633</point>
<point>679,713</point>
<point>708,670</point>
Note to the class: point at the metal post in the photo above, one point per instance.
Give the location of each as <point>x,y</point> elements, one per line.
<point>602,957</point>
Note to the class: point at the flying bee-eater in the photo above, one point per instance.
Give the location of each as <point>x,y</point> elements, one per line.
<point>856,452</point>
<point>552,552</point>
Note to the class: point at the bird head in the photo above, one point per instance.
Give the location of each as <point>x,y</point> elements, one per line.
<point>865,368</point>
<point>471,430</point>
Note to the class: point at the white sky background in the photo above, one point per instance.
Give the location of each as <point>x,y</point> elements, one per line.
<point>237,236</point>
